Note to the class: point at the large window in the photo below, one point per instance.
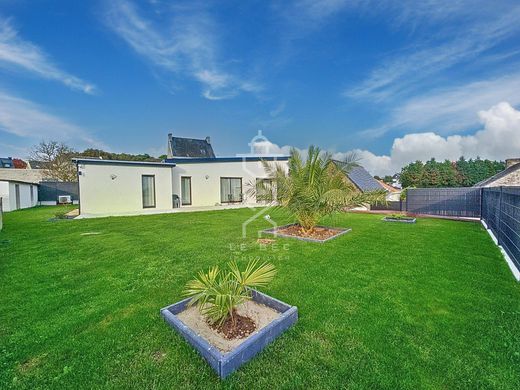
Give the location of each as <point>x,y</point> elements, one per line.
<point>185,190</point>
<point>231,189</point>
<point>264,190</point>
<point>148,187</point>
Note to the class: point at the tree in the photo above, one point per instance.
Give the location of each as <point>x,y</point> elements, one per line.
<point>412,174</point>
<point>98,153</point>
<point>462,173</point>
<point>19,164</point>
<point>57,159</point>
<point>314,188</point>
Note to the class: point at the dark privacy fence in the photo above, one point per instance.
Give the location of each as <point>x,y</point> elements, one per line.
<point>452,202</point>
<point>501,212</point>
<point>48,191</point>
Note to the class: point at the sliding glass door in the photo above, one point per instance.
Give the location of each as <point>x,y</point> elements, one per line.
<point>185,190</point>
<point>230,189</point>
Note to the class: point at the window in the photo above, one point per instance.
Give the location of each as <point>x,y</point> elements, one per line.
<point>264,190</point>
<point>230,189</point>
<point>185,190</point>
<point>32,195</point>
<point>148,187</point>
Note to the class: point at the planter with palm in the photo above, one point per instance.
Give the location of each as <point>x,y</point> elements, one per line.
<point>314,187</point>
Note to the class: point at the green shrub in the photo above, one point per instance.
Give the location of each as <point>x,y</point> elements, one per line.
<point>217,293</point>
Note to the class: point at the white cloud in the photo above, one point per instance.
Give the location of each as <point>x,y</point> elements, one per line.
<point>498,139</point>
<point>26,119</point>
<point>451,109</point>
<point>398,73</point>
<point>18,54</point>
<point>187,46</point>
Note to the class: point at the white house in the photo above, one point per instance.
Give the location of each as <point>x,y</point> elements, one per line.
<point>18,195</point>
<point>191,178</point>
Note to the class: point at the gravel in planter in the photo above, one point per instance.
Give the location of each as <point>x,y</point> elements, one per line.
<point>285,231</point>
<point>226,357</point>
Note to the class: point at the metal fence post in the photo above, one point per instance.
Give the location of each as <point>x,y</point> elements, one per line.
<point>481,201</point>
<point>500,217</point>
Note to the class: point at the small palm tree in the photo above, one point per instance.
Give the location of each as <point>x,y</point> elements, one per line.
<point>315,187</point>
<point>217,293</point>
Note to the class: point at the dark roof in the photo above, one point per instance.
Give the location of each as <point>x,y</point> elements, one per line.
<point>97,161</point>
<point>35,164</point>
<point>362,179</point>
<point>225,159</point>
<point>6,162</point>
<point>191,147</point>
<point>498,176</point>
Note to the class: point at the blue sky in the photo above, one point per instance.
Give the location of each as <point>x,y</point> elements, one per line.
<point>394,80</point>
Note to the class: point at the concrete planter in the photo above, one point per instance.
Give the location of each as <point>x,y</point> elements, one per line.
<point>274,231</point>
<point>225,363</point>
<point>402,220</point>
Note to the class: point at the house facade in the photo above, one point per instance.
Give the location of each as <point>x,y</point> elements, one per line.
<point>17,195</point>
<point>191,178</point>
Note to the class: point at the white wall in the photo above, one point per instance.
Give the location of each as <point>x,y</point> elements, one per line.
<point>100,194</point>
<point>8,194</point>
<point>205,179</point>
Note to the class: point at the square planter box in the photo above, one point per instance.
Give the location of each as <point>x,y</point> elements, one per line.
<point>273,231</point>
<point>402,220</point>
<point>225,363</point>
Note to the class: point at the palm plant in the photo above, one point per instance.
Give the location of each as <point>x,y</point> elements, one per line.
<point>315,187</point>
<point>217,293</point>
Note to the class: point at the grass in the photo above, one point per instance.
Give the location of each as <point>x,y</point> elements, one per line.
<point>426,305</point>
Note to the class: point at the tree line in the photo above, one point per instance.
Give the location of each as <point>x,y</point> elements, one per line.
<point>461,173</point>
<point>56,158</point>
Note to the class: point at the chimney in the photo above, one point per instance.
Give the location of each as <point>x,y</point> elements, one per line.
<point>208,140</point>
<point>169,151</point>
<point>512,161</point>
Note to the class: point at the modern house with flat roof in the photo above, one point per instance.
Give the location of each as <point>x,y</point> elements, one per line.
<point>191,178</point>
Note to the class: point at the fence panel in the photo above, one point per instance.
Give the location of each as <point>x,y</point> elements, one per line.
<point>391,205</point>
<point>452,202</point>
<point>501,212</point>
<point>48,191</point>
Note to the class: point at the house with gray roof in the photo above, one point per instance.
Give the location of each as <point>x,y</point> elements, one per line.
<point>6,162</point>
<point>508,177</point>
<point>361,179</point>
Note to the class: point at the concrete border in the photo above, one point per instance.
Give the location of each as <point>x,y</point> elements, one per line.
<point>226,363</point>
<point>515,271</point>
<point>408,220</point>
<point>274,232</point>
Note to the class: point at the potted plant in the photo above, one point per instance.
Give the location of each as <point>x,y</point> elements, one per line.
<point>226,319</point>
<point>312,189</point>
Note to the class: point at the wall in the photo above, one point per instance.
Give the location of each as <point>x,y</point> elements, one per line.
<point>205,179</point>
<point>8,194</point>
<point>102,195</point>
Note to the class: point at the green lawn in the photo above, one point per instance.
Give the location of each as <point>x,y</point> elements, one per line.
<point>388,305</point>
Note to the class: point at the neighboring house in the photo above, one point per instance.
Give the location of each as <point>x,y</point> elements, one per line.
<point>508,177</point>
<point>361,179</point>
<point>18,194</point>
<point>189,147</point>
<point>34,164</point>
<point>19,188</point>
<point>393,194</point>
<point>110,187</point>
<point>6,162</point>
